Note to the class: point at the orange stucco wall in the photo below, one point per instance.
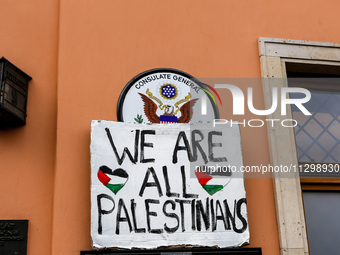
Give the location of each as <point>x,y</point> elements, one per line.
<point>82,53</point>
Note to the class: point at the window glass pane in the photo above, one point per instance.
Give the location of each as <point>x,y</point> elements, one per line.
<point>318,135</point>
<point>323,224</point>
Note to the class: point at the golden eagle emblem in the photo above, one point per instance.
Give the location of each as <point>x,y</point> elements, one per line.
<point>169,116</point>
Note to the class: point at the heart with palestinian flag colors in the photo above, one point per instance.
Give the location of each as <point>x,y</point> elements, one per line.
<point>214,181</point>
<point>113,180</point>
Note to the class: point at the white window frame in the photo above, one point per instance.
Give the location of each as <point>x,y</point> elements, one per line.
<point>287,191</point>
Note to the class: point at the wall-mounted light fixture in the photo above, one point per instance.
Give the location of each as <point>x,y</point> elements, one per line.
<point>13,94</point>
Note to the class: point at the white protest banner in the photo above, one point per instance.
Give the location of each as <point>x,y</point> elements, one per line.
<point>166,184</point>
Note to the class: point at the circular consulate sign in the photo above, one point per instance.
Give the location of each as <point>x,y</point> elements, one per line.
<point>166,95</point>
